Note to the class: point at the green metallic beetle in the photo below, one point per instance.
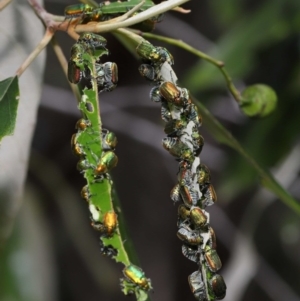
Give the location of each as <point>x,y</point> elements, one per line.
<point>217,286</point>
<point>76,147</point>
<point>190,252</point>
<point>178,149</point>
<point>198,218</point>
<point>136,276</point>
<point>189,236</point>
<point>108,161</point>
<point>82,124</point>
<point>197,286</point>
<point>212,259</point>
<point>109,140</point>
<point>109,10</point>
<point>108,224</point>
<point>85,193</point>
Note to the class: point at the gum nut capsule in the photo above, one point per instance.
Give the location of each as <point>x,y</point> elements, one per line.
<point>198,218</point>
<point>137,276</point>
<point>218,286</point>
<point>197,286</point>
<point>171,93</point>
<point>108,161</point>
<point>212,259</point>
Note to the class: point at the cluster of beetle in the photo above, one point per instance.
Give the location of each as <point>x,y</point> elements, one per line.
<point>107,10</point>
<point>79,73</point>
<point>193,190</point>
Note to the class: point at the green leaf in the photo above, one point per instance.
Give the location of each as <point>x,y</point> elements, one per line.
<point>9,101</point>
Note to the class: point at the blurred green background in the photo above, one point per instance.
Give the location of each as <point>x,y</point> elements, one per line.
<point>53,253</point>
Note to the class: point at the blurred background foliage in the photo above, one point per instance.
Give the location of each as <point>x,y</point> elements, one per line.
<point>53,253</point>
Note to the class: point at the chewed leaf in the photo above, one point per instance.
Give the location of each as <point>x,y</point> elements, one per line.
<point>9,101</point>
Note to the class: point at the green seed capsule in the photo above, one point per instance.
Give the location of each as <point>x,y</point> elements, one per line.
<point>212,259</point>
<point>189,237</point>
<point>197,286</point>
<point>198,218</point>
<point>137,276</point>
<point>171,93</point>
<point>218,286</point>
<point>108,161</point>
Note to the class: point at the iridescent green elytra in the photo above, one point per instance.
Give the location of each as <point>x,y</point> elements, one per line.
<point>108,10</point>
<point>137,277</point>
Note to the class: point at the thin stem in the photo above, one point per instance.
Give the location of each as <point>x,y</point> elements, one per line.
<point>43,43</point>
<point>221,134</point>
<point>64,64</point>
<point>4,3</point>
<point>149,13</point>
<point>219,64</point>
